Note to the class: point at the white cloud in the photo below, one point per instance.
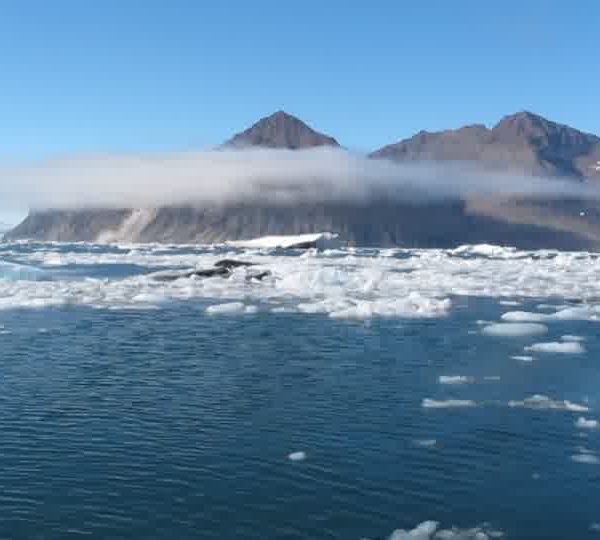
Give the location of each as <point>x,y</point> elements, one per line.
<point>225,176</point>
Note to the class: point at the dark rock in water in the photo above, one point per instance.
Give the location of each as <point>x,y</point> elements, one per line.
<point>303,245</point>
<point>258,277</point>
<point>210,272</point>
<point>232,263</point>
<point>222,268</point>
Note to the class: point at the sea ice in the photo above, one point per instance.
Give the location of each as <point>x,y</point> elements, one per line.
<point>348,283</point>
<point>515,329</point>
<point>447,404</point>
<point>426,443</point>
<point>524,316</point>
<point>429,530</point>
<point>584,423</point>
<point>455,379</point>
<point>558,347</point>
<point>297,456</point>
<point>320,240</point>
<point>523,358</point>
<point>226,309</point>
<point>542,402</point>
<point>588,459</point>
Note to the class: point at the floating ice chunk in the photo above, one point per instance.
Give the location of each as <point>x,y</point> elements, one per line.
<point>579,313</point>
<point>297,456</point>
<point>509,303</point>
<point>523,358</point>
<point>584,423</point>
<point>524,316</point>
<point>447,404</point>
<point>424,531</point>
<point>324,240</point>
<point>515,329</point>
<point>226,309</point>
<point>486,250</point>
<point>455,379</point>
<point>413,306</point>
<point>538,401</point>
<point>569,337</point>
<point>588,459</point>
<point>558,347</point>
<point>426,443</point>
<point>429,530</point>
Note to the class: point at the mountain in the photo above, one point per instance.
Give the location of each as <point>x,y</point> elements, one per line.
<point>522,143</point>
<point>280,130</point>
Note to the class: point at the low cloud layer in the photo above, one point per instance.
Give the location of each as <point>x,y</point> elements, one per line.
<point>280,176</point>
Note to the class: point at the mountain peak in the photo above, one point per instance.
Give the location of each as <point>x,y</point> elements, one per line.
<point>281,130</point>
<point>523,142</point>
<point>523,122</point>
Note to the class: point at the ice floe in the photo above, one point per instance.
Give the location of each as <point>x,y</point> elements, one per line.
<point>426,443</point>
<point>587,459</point>
<point>557,347</point>
<point>579,313</point>
<point>447,404</point>
<point>324,240</point>
<point>430,530</point>
<point>455,379</point>
<point>229,308</point>
<point>523,358</point>
<point>515,329</point>
<point>538,401</point>
<point>585,423</point>
<point>297,456</point>
<point>346,283</point>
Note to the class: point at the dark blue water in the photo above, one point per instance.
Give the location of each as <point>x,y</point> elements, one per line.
<point>172,424</point>
<point>169,423</point>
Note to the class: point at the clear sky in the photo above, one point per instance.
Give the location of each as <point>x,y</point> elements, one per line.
<point>129,75</point>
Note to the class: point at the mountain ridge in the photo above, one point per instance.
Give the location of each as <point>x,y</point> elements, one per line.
<point>524,143</point>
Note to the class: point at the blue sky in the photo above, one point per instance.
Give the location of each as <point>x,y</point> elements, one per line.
<point>150,75</point>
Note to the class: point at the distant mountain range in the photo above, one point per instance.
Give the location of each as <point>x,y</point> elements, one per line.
<point>522,143</point>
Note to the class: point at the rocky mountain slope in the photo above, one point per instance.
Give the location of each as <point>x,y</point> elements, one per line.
<point>280,130</point>
<point>523,143</point>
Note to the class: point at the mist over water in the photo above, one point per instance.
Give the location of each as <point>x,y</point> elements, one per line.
<point>276,176</point>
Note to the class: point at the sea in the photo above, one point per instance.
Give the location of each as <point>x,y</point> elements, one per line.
<point>344,394</point>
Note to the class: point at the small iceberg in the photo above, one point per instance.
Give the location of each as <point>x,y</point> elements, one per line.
<point>515,329</point>
<point>447,404</point>
<point>323,240</point>
<point>584,423</point>
<point>557,347</point>
<point>297,456</point>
